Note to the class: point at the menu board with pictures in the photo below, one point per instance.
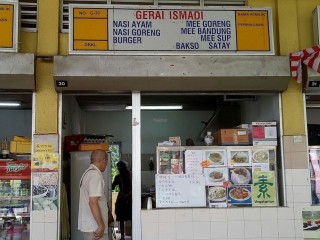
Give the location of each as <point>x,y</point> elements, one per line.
<point>216,176</point>
<point>232,176</point>
<point>240,175</point>
<point>193,159</point>
<point>240,195</point>
<point>184,190</point>
<point>217,158</point>
<point>239,157</point>
<point>217,196</point>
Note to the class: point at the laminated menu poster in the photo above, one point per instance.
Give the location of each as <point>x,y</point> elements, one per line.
<point>238,195</point>
<point>217,196</point>
<point>263,189</point>
<point>44,190</point>
<point>45,162</point>
<point>311,222</point>
<point>193,159</point>
<point>183,190</point>
<point>216,176</point>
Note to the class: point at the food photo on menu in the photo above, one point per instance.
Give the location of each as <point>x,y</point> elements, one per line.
<point>239,195</point>
<point>240,175</point>
<point>217,196</point>
<point>216,176</point>
<point>216,158</point>
<point>260,156</point>
<point>239,157</point>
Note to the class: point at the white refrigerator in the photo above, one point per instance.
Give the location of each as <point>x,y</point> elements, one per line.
<point>80,161</point>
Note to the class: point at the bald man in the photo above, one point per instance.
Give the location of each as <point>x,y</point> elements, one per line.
<point>93,207</point>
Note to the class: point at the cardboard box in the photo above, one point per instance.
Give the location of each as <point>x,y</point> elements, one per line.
<point>264,133</point>
<point>93,146</point>
<point>227,137</point>
<point>20,147</point>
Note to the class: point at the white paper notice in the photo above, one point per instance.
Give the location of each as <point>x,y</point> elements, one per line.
<point>193,159</point>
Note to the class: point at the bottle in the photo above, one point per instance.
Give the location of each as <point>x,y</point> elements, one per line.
<point>208,139</point>
<point>151,166</point>
<point>149,203</point>
<point>5,148</point>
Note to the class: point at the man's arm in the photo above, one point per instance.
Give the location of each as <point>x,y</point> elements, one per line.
<point>95,209</point>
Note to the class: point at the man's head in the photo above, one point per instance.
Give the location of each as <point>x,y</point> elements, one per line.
<point>99,158</point>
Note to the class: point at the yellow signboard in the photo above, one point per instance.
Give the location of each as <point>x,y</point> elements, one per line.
<point>6,25</point>
<point>252,30</point>
<point>90,29</point>
<point>44,148</point>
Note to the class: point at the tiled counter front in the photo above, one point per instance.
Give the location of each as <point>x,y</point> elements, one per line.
<point>236,223</point>
<point>267,223</point>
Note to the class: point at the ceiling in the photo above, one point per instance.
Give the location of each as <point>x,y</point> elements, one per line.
<point>24,98</point>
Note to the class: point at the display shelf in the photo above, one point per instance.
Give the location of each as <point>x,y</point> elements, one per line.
<point>14,198</point>
<point>11,215</point>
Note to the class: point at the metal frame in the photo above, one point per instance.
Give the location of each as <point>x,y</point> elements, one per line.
<point>136,165</point>
<point>112,52</point>
<point>183,148</point>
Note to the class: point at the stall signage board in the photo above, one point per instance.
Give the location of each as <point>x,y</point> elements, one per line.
<point>8,26</point>
<point>180,190</point>
<point>170,30</point>
<point>20,169</point>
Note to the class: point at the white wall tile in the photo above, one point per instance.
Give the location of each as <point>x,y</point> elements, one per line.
<point>167,231</point>
<point>235,229</point>
<point>286,228</point>
<point>285,213</point>
<point>184,215</point>
<point>289,191</point>
<point>288,175</point>
<point>37,231</point>
<point>50,216</point>
<point>302,194</point>
<point>37,216</point>
<point>184,230</point>
<point>201,214</point>
<point>269,213</point>
<point>301,177</point>
<point>235,214</point>
<point>201,230</point>
<point>167,215</point>
<point>218,214</point>
<point>298,209</point>
<point>50,231</point>
<point>269,228</point>
<point>253,213</point>
<point>150,230</point>
<point>219,230</point>
<point>298,228</point>
<point>151,216</point>
<point>252,229</point>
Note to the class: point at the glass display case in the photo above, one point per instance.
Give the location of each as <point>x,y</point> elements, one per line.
<point>228,175</point>
<point>15,178</point>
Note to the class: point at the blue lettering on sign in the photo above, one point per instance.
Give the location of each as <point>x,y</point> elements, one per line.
<point>142,24</point>
<point>187,30</point>
<point>145,32</point>
<point>208,38</point>
<point>219,45</point>
<point>121,24</point>
<point>192,23</point>
<point>123,32</point>
<point>187,45</point>
<point>123,40</point>
<point>224,38</point>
